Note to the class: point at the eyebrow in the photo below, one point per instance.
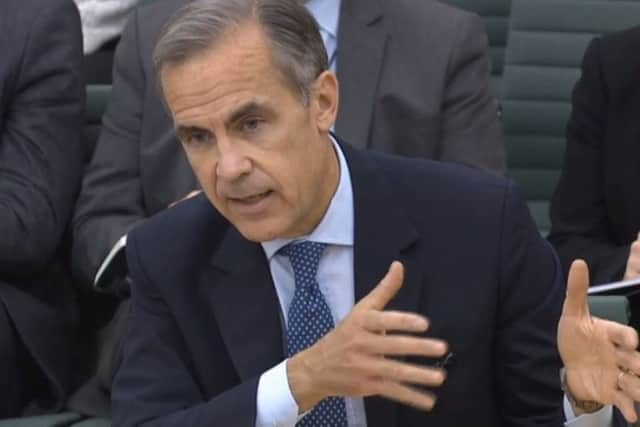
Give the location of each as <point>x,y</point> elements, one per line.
<point>245,110</point>
<point>242,111</point>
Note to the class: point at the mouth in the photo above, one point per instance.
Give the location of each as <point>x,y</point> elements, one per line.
<point>251,205</point>
<point>251,200</point>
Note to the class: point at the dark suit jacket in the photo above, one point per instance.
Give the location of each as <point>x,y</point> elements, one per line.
<point>41,162</point>
<point>205,320</point>
<point>595,211</point>
<point>414,79</point>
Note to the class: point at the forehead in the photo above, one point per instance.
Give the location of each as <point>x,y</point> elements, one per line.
<point>238,67</point>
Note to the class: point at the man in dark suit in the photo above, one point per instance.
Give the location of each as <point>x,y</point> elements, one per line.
<point>414,81</point>
<point>41,162</point>
<point>595,211</point>
<point>256,304</point>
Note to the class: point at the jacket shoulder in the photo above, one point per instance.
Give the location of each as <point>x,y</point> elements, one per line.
<point>151,18</point>
<point>618,56</point>
<point>442,178</point>
<point>176,239</point>
<point>427,16</point>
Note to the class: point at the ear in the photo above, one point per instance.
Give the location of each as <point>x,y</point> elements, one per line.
<point>324,100</point>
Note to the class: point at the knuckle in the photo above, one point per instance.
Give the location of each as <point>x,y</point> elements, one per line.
<point>359,343</point>
<point>372,321</point>
<point>393,371</point>
<point>378,387</point>
<point>359,320</point>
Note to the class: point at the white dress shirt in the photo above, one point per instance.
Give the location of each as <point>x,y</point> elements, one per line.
<point>327,14</point>
<point>102,20</point>
<point>276,406</point>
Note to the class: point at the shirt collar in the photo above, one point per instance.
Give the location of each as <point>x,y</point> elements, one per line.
<point>336,227</point>
<point>327,13</point>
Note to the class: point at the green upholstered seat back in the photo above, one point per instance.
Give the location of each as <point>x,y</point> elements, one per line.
<point>547,39</point>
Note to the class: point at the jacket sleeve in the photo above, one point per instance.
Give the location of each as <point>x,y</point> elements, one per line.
<point>153,386</point>
<point>471,131</point>
<point>579,217</point>
<point>41,149</point>
<point>110,201</point>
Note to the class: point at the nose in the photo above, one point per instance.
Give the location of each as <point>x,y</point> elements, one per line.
<point>232,163</point>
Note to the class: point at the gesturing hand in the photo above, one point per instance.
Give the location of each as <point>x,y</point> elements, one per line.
<point>350,360</point>
<point>600,356</point>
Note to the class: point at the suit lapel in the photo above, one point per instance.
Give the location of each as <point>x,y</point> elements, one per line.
<point>241,292</point>
<point>383,233</point>
<point>362,36</point>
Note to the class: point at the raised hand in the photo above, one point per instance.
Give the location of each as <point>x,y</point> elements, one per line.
<point>599,356</point>
<point>350,360</point>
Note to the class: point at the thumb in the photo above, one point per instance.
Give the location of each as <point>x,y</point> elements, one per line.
<point>388,287</point>
<point>576,303</point>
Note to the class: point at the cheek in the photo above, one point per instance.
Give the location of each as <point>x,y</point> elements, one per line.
<point>209,189</point>
<point>204,169</point>
<point>299,188</point>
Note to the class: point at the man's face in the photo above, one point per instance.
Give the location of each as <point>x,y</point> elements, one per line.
<point>262,157</point>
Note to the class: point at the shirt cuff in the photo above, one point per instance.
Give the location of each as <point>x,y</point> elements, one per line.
<point>601,418</point>
<point>276,406</point>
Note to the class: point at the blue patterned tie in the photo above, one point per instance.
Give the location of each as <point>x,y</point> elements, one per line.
<point>309,320</point>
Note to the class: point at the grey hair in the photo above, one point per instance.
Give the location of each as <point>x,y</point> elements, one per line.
<point>297,47</point>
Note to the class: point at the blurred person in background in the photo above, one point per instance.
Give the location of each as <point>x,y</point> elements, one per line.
<point>595,211</point>
<point>102,24</point>
<point>41,163</point>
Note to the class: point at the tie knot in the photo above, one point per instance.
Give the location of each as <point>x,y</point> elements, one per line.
<point>304,257</point>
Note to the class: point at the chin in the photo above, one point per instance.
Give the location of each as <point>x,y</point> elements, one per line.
<point>257,233</point>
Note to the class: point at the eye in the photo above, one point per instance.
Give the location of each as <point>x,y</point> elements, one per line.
<point>197,138</point>
<point>251,124</point>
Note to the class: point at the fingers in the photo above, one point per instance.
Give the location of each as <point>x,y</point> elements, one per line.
<point>575,303</point>
<point>622,335</point>
<point>387,321</point>
<point>628,361</point>
<point>625,404</point>
<point>391,370</point>
<point>407,395</point>
<point>388,287</point>
<point>633,263</point>
<point>397,345</point>
<point>630,385</point>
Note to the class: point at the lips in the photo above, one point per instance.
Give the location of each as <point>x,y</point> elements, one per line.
<point>254,206</point>
<point>249,200</point>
